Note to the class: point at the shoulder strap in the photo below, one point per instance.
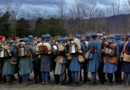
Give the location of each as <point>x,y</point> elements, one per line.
<point>124,46</point>
<point>92,45</point>
<point>86,46</point>
<point>28,51</point>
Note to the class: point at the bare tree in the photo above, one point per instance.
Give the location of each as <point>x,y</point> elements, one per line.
<point>13,8</point>
<point>127,6</point>
<point>78,15</point>
<point>61,9</point>
<point>113,8</point>
<point>126,25</point>
<point>40,13</point>
<point>6,5</point>
<point>118,8</point>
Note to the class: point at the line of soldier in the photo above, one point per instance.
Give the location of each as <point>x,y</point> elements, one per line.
<point>101,53</point>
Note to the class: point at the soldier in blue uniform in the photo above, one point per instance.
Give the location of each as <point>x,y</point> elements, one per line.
<point>120,44</point>
<point>75,65</point>
<point>94,63</point>
<point>46,62</point>
<point>9,68</point>
<point>101,74</point>
<point>111,68</point>
<point>36,64</point>
<point>60,68</point>
<point>88,39</point>
<point>26,65</point>
<point>64,43</point>
<point>48,40</point>
<point>83,52</point>
<point>126,65</point>
<point>69,61</point>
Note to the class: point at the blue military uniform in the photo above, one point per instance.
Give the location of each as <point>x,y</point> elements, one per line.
<point>88,36</point>
<point>60,68</point>
<point>26,65</point>
<point>120,44</point>
<point>110,68</point>
<point>36,62</point>
<point>75,66</point>
<point>8,68</point>
<point>94,64</point>
<point>46,62</point>
<point>126,65</point>
<point>101,74</point>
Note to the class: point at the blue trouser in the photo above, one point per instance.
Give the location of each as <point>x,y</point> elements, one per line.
<point>45,76</point>
<point>127,78</point>
<point>85,73</point>
<point>25,78</point>
<point>93,77</point>
<point>8,77</point>
<point>61,78</point>
<point>75,76</point>
<point>110,77</point>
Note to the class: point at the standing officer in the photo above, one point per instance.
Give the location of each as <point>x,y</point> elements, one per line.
<point>88,39</point>
<point>10,62</point>
<point>120,44</point>
<point>94,63</point>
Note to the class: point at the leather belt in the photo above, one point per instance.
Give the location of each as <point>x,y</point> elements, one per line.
<point>94,50</point>
<point>126,52</point>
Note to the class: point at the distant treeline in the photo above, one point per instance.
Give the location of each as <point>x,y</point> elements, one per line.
<point>63,27</point>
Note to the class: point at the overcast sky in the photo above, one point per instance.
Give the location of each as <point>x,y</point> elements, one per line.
<point>30,6</point>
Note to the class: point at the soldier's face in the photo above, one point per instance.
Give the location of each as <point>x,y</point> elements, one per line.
<point>13,44</point>
<point>17,40</point>
<point>90,39</point>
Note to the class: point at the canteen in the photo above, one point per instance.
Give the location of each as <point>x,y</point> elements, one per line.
<point>2,54</point>
<point>6,53</point>
<point>54,49</point>
<point>106,50</point>
<point>72,49</point>
<point>21,52</point>
<point>111,52</point>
